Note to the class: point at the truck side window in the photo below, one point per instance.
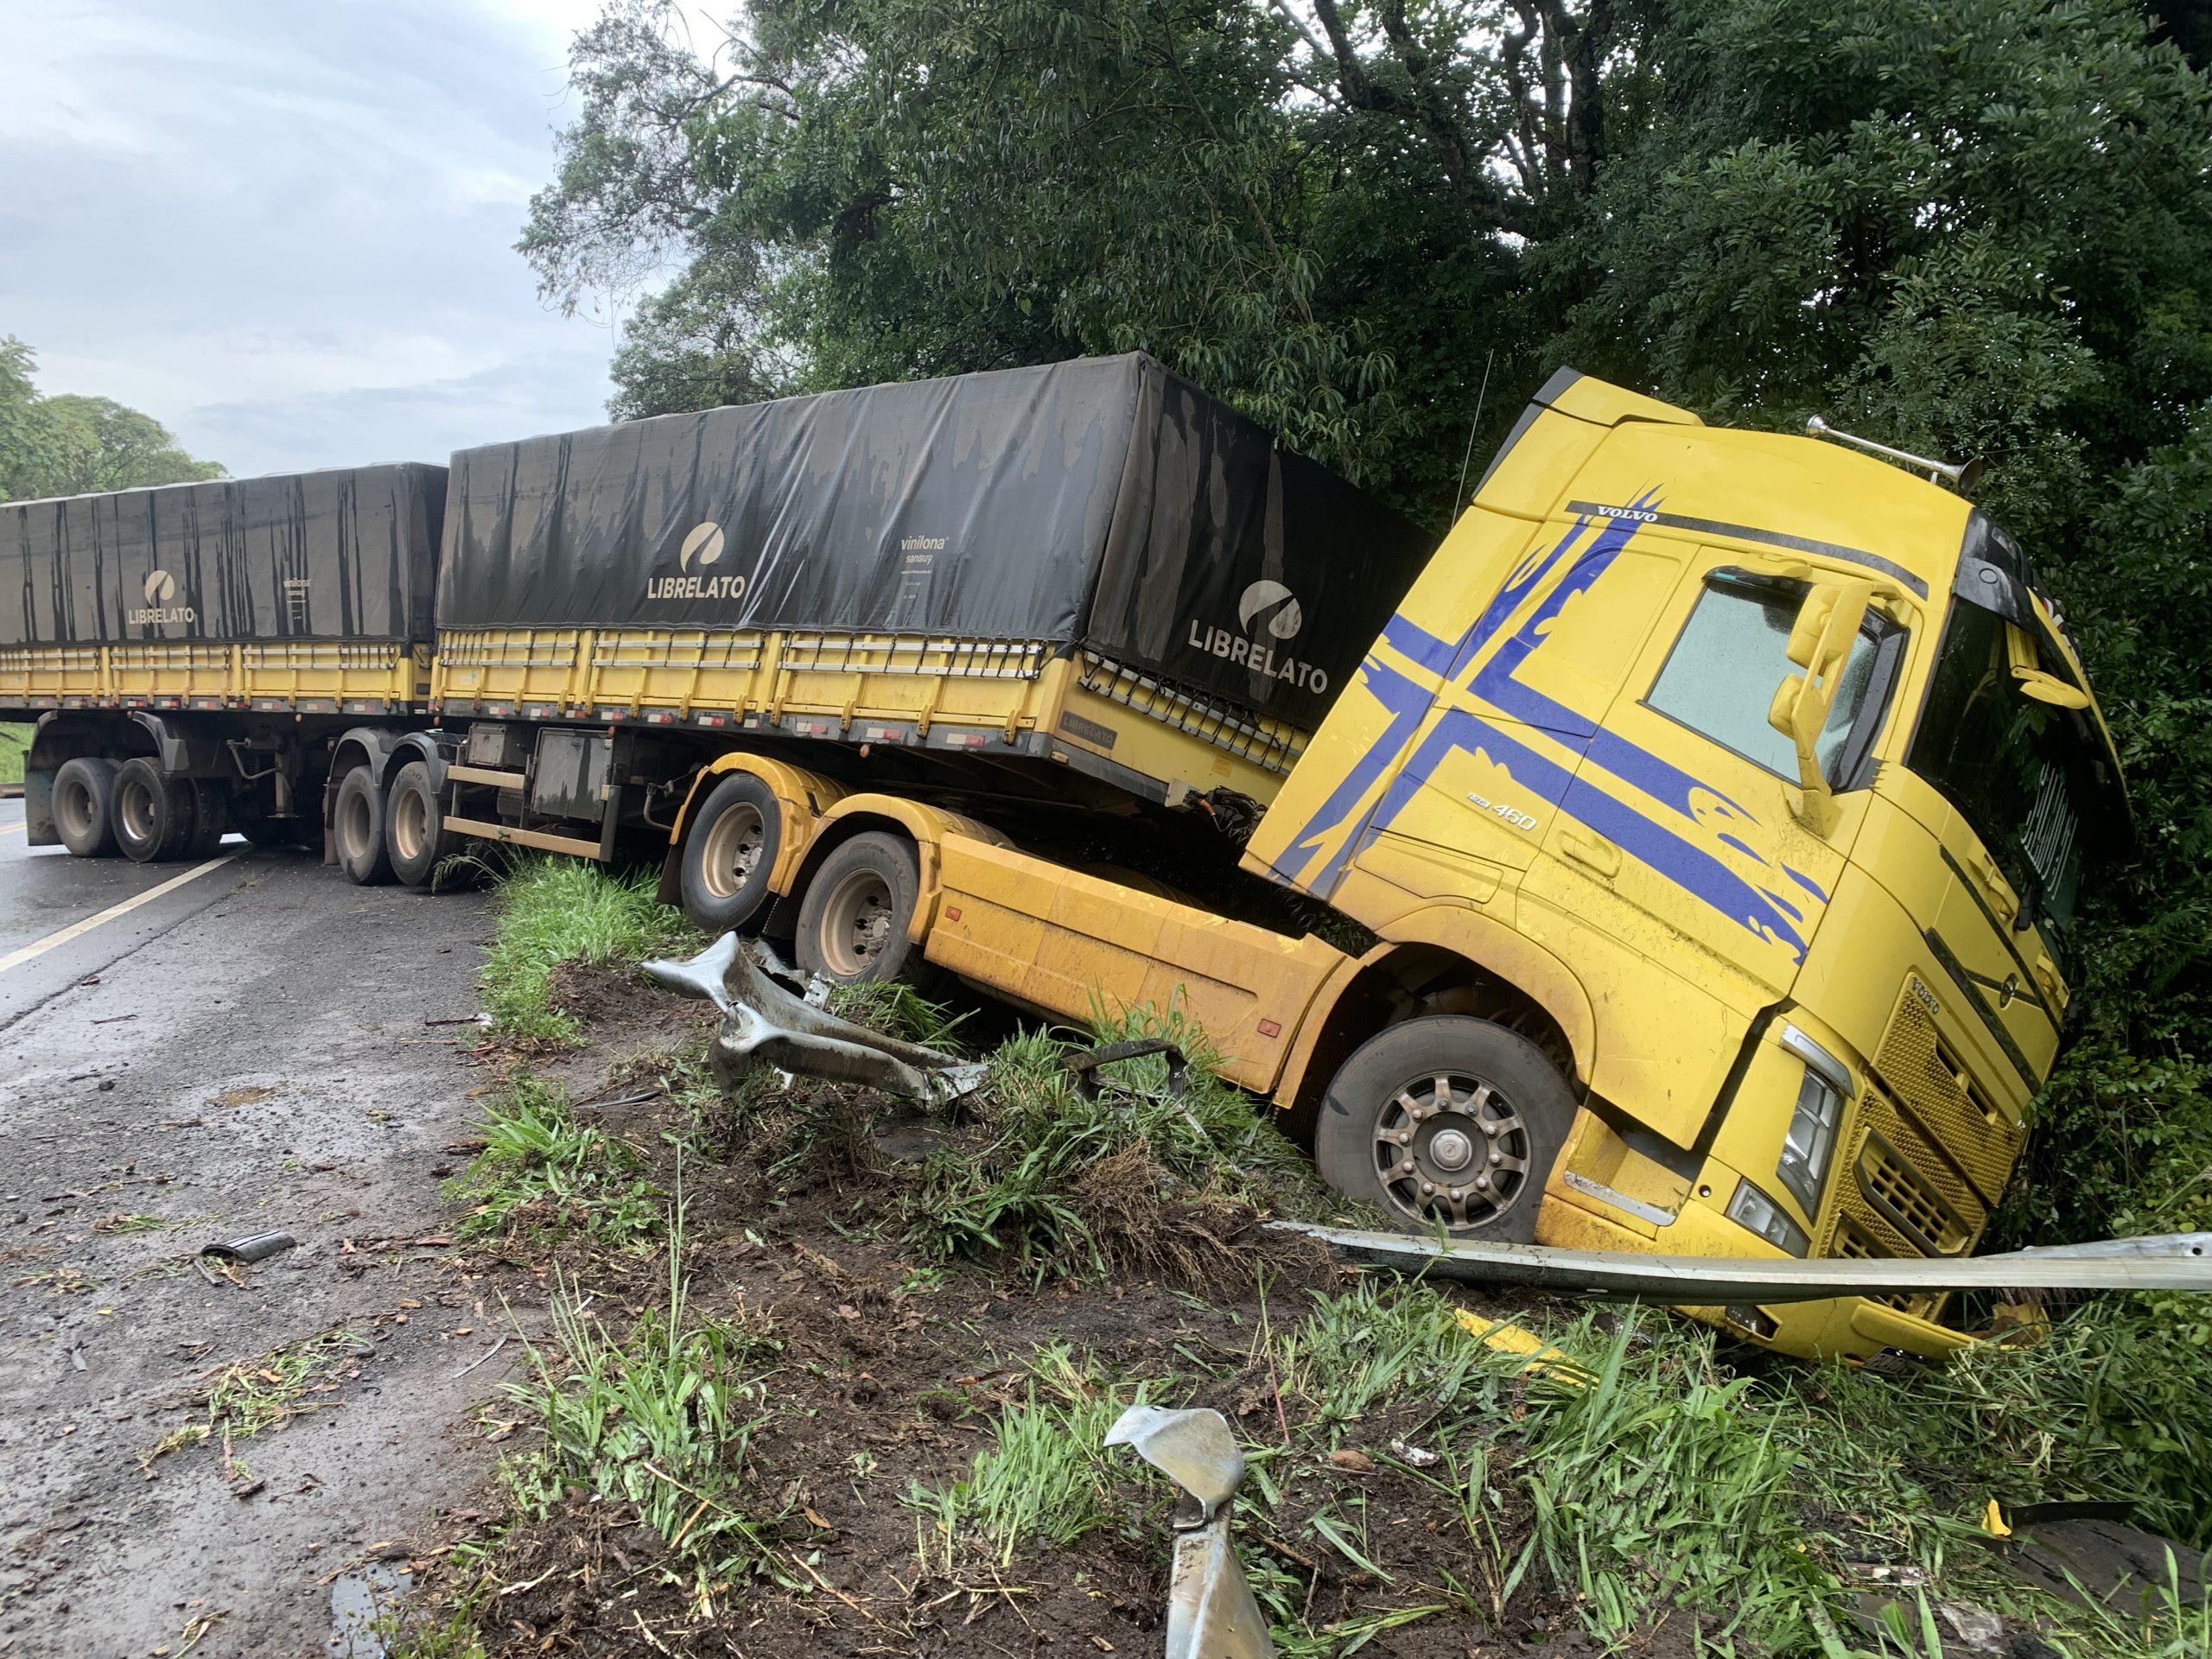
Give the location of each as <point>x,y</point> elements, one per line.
<point>1722,675</point>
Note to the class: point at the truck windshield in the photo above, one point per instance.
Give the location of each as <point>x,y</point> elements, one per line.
<point>2029,778</point>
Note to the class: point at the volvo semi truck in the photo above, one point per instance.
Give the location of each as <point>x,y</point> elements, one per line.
<point>1679,858</point>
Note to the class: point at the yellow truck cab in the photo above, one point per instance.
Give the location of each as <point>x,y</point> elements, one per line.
<point>1764,768</point>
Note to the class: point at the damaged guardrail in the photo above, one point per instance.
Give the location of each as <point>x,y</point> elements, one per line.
<point>1210,1611</point>
<point>765,1025</point>
<point>2165,1261</point>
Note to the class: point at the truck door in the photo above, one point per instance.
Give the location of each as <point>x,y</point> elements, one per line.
<point>1681,810</point>
<point>1678,863</point>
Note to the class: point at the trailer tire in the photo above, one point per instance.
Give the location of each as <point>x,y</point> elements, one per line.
<point>211,817</point>
<point>1486,1114</point>
<point>853,921</point>
<point>415,833</point>
<point>729,853</point>
<point>154,814</point>
<point>83,806</point>
<point>357,829</point>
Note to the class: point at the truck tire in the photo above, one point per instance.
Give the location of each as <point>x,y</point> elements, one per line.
<point>211,817</point>
<point>1482,1114</point>
<point>729,854</point>
<point>153,813</point>
<point>83,806</point>
<point>853,921</point>
<point>415,833</point>
<point>357,829</point>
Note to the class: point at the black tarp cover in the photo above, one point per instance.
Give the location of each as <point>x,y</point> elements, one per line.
<point>1102,502</point>
<point>350,553</point>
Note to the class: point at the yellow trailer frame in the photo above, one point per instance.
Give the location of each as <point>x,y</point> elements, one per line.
<point>990,697</point>
<point>312,676</point>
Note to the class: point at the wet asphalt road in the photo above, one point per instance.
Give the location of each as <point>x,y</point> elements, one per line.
<point>245,1049</point>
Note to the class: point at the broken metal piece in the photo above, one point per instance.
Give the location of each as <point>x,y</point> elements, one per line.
<point>254,1246</point>
<point>763,1024</point>
<point>1210,1611</point>
<point>1085,1065</point>
<point>2168,1261</point>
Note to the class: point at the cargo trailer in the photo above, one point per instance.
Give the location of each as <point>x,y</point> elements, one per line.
<point>192,652</point>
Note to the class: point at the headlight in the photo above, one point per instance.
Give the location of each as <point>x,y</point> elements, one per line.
<point>1753,1209</point>
<point>1806,1150</point>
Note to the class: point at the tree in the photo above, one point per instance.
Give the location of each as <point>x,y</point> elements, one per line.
<point>101,445</point>
<point>73,445</point>
<point>880,189</point>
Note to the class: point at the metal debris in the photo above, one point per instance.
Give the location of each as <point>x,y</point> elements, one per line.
<point>2168,1261</point>
<point>1210,1611</point>
<point>358,1601</point>
<point>1419,1457</point>
<point>763,1024</point>
<point>254,1246</point>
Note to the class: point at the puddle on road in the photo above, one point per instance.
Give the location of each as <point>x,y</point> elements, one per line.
<point>358,1599</point>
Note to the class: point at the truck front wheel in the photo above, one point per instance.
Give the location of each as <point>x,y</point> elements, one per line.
<point>155,815</point>
<point>1446,1119</point>
<point>853,923</point>
<point>357,829</point>
<point>730,852</point>
<point>83,806</point>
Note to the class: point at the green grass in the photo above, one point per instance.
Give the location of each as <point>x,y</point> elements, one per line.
<point>661,1419</point>
<point>556,909</point>
<point>1644,1477</point>
<point>1061,1175</point>
<point>15,742</point>
<point>542,1171</point>
<point>1044,1483</point>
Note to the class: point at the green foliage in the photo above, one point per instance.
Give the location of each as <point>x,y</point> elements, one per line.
<point>661,1419</point>
<point>543,1171</point>
<point>1047,1480</point>
<point>74,445</point>
<point>1029,1193</point>
<point>15,744</point>
<point>901,188</point>
<point>556,910</point>
<point>899,1010</point>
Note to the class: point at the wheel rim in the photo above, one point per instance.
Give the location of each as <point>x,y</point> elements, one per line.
<point>134,809</point>
<point>1450,1147</point>
<point>74,808</point>
<point>354,825</point>
<point>410,824</point>
<point>856,924</point>
<point>735,844</point>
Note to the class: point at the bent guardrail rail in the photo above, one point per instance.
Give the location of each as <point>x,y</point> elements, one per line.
<point>2165,1261</point>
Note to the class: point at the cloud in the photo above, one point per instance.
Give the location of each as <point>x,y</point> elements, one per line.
<point>286,232</point>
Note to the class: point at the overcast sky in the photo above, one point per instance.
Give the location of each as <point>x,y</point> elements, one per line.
<point>285,228</point>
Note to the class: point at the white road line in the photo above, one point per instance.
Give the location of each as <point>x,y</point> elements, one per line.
<point>77,930</point>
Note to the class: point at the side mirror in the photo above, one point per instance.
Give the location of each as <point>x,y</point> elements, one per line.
<point>1820,643</point>
<point>2049,687</point>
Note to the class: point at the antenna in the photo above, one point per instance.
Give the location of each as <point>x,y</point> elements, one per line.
<point>1962,478</point>
<point>1471,427</point>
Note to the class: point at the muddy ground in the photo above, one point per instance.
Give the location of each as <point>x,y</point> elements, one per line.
<point>884,1379</point>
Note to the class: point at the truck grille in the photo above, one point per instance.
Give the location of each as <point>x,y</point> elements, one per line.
<point>1899,1197</point>
<point>1934,1090</point>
